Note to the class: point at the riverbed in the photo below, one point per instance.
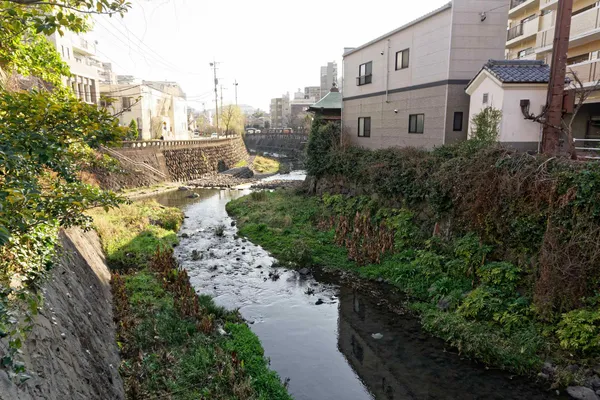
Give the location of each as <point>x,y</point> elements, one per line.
<point>329,337</point>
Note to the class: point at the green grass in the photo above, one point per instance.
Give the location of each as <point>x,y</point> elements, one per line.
<point>164,354</point>
<point>493,324</point>
<point>131,233</point>
<point>265,165</point>
<point>241,163</point>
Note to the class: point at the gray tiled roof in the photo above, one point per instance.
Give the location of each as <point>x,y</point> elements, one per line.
<point>519,71</point>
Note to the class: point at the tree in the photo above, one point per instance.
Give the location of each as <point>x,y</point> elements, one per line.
<point>47,138</point>
<point>485,125</point>
<point>232,119</point>
<point>133,132</point>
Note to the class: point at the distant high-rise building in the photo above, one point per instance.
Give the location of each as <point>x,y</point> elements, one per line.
<point>280,111</point>
<point>329,76</point>
<point>312,92</point>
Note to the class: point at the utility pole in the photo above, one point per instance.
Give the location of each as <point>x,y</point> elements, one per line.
<point>214,66</point>
<point>221,98</point>
<point>235,84</point>
<point>558,71</point>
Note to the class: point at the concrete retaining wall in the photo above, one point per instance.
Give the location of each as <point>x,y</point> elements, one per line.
<point>83,364</point>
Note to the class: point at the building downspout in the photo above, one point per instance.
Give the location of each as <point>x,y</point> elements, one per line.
<point>387,71</point>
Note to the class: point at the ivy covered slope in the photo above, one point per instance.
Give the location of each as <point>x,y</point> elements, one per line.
<point>498,252</point>
<point>174,343</point>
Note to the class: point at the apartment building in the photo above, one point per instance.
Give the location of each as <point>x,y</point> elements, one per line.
<point>530,37</point>
<point>107,75</point>
<point>407,87</point>
<point>80,55</point>
<point>313,92</point>
<point>280,111</point>
<point>159,108</point>
<point>329,76</point>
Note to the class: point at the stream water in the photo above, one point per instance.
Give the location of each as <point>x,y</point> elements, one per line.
<point>332,341</point>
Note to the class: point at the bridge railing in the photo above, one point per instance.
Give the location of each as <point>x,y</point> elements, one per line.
<point>165,144</point>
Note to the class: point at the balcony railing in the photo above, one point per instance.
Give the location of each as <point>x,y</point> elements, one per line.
<point>363,80</point>
<point>587,71</point>
<point>515,32</point>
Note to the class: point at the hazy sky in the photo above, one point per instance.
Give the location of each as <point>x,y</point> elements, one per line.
<point>270,47</point>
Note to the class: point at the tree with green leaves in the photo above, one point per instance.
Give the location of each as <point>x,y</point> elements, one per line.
<point>232,119</point>
<point>47,138</point>
<point>133,132</point>
<point>485,125</point>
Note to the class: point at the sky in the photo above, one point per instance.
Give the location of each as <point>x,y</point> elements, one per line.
<point>268,47</point>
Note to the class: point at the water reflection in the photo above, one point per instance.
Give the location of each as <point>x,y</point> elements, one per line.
<point>341,349</point>
<point>397,360</point>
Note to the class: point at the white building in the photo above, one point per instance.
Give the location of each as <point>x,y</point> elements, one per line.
<point>159,108</point>
<point>107,75</point>
<point>406,88</point>
<point>79,54</point>
<point>505,85</point>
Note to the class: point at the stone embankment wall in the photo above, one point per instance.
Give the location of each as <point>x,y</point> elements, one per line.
<point>282,145</point>
<point>71,352</point>
<point>192,163</point>
<point>178,162</point>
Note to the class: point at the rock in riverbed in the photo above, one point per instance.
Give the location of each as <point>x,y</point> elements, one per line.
<point>581,393</point>
<point>304,271</point>
<point>196,255</point>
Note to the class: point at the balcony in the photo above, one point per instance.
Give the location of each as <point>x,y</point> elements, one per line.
<point>517,5</point>
<point>548,4</point>
<point>364,79</point>
<point>587,71</point>
<point>585,28</point>
<point>521,32</point>
<point>83,46</point>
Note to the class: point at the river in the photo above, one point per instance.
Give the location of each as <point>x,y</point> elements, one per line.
<point>331,340</point>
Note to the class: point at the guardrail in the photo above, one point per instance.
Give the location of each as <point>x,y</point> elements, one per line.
<point>594,151</point>
<point>143,144</point>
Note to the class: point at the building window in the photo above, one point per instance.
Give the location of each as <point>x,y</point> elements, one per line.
<point>364,73</point>
<point>578,59</point>
<point>416,123</point>
<point>364,127</point>
<point>525,52</point>
<point>126,102</point>
<point>68,54</point>
<point>402,59</point>
<point>457,125</point>
<point>63,50</point>
<point>485,98</point>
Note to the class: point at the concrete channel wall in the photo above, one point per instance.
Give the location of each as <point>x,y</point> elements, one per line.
<point>72,353</point>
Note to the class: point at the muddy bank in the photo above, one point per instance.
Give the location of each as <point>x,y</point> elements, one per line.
<point>71,352</point>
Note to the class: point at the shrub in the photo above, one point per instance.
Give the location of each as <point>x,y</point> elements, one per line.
<point>258,195</point>
<point>321,141</point>
<point>579,330</point>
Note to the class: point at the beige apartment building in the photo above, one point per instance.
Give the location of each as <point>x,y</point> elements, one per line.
<point>407,87</point>
<point>530,36</point>
<point>80,54</point>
